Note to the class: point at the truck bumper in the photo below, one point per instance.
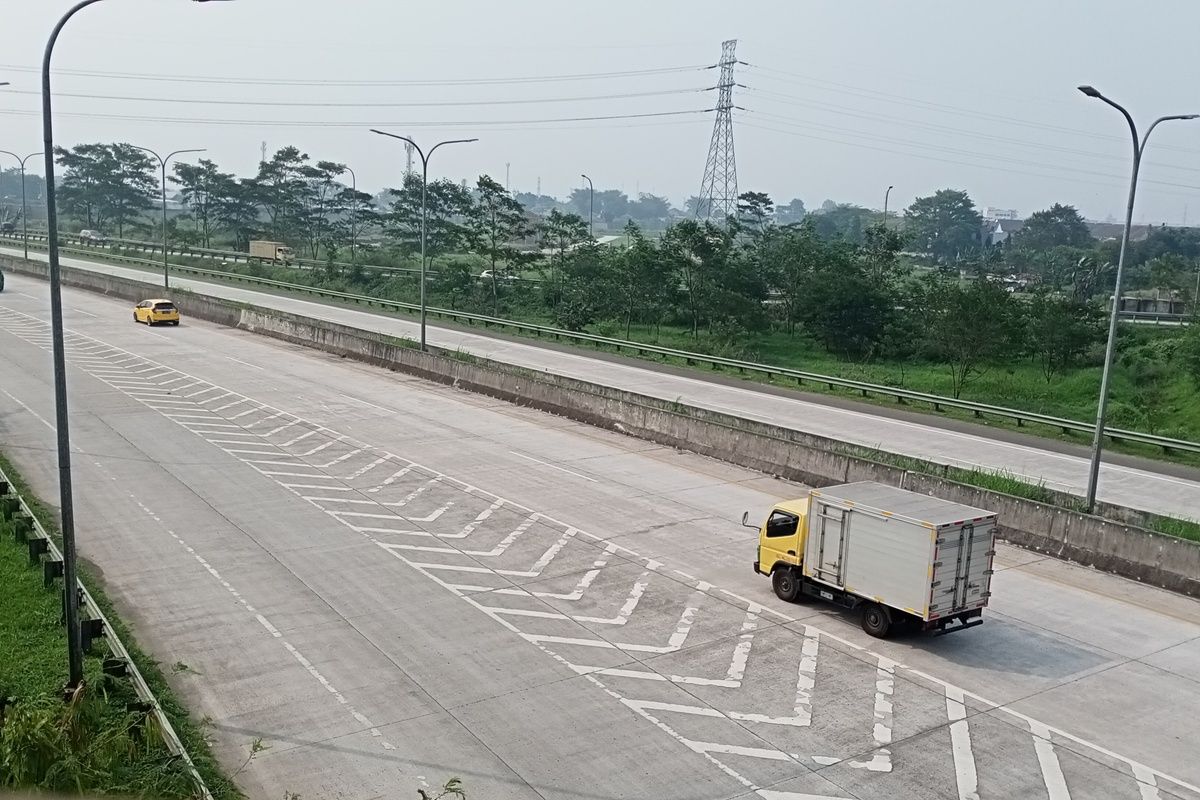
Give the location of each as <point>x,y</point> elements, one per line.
<point>756,570</point>
<point>956,622</point>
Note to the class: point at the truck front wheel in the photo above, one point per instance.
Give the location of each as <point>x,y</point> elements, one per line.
<point>786,584</point>
<point>875,620</point>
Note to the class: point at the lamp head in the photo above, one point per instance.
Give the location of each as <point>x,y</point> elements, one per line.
<point>1090,91</point>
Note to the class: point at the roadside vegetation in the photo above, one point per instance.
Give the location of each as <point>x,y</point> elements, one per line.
<point>936,300</point>
<point>98,740</point>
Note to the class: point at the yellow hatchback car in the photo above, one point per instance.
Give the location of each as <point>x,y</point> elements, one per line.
<point>153,312</point>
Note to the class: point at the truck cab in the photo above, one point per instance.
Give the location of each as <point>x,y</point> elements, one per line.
<point>781,546</point>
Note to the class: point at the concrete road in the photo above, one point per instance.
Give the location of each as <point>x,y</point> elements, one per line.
<point>391,582</point>
<point>1149,488</point>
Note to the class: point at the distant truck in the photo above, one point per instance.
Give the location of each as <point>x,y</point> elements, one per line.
<point>898,558</point>
<point>276,252</point>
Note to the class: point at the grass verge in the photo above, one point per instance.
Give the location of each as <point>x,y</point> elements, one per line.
<point>93,743</point>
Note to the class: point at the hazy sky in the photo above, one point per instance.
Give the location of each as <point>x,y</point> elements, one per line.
<point>842,98</point>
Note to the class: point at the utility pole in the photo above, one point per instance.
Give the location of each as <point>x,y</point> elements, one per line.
<point>719,189</point>
<point>263,150</point>
<point>507,165</point>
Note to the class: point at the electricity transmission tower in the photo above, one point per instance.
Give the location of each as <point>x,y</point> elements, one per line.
<point>718,190</point>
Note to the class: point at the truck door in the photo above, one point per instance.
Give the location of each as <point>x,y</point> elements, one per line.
<point>827,546</point>
<point>779,540</point>
<point>962,571</point>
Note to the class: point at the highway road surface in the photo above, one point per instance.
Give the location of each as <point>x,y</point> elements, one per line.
<point>392,582</point>
<point>1124,484</point>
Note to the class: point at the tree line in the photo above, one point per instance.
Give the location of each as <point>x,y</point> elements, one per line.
<point>863,288</point>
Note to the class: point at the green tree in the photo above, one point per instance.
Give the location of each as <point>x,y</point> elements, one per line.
<point>789,258</point>
<point>650,208</point>
<point>756,211</point>
<point>1060,330</point>
<point>281,189</point>
<point>791,212</point>
<point>106,185</point>
<point>204,188</point>
<point>642,278</point>
<point>324,211</point>
<point>844,307</point>
<point>447,206</point>
<point>609,204</point>
<point>944,224</point>
<point>495,222</point>
<point>842,221</point>
<point>1057,226</point>
<point>560,233</point>
<point>969,327</point>
<point>237,210</point>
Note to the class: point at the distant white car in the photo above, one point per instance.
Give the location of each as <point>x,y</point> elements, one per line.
<point>93,237</point>
<point>486,275</point>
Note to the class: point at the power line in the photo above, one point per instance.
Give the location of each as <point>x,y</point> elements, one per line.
<point>418,104</point>
<point>790,121</point>
<point>313,82</point>
<point>938,128</point>
<point>1113,179</point>
<point>260,123</point>
<point>944,108</point>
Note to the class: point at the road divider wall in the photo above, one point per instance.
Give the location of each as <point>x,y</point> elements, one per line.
<point>1114,542</point>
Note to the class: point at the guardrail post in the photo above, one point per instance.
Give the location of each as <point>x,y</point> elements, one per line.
<point>38,547</point>
<point>22,527</point>
<point>89,631</point>
<point>51,568</point>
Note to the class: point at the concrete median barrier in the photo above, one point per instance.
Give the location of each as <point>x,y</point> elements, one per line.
<point>1116,540</point>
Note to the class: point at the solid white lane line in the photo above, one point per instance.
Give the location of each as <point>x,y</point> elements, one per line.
<point>553,466</point>
<point>36,415</point>
<point>1052,774</point>
<point>960,745</point>
<point>244,363</point>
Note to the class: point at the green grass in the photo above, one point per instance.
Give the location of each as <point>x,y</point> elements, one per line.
<point>33,668</point>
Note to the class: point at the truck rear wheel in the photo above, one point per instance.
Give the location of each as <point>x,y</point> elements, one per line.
<point>876,620</point>
<point>786,584</point>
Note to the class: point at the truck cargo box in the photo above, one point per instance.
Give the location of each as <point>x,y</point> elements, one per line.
<point>929,557</point>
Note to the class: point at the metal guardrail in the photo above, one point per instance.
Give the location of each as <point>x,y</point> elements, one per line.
<point>236,256</point>
<point>936,402</point>
<point>93,624</point>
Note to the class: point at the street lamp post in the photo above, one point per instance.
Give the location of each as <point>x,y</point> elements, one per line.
<point>24,210</point>
<point>591,204</point>
<point>1139,147</point>
<point>885,203</point>
<point>424,214</point>
<point>353,212</point>
<point>162,162</point>
<point>71,597</point>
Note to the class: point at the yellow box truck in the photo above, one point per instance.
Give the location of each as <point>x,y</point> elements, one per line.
<point>277,252</point>
<point>898,558</point>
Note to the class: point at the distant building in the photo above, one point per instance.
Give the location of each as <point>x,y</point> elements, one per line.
<point>991,212</point>
<point>997,231</point>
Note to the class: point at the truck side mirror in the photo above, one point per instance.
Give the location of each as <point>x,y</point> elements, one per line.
<point>746,520</point>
